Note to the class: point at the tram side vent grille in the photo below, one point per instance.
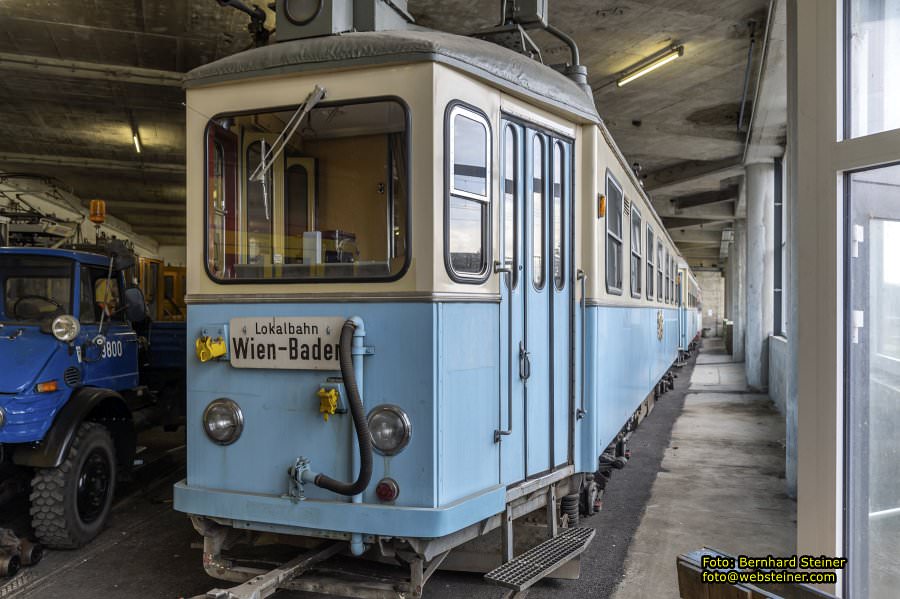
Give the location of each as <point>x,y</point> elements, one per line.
<point>627,209</point>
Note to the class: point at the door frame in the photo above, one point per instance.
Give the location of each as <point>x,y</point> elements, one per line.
<point>819,158</point>
<point>550,136</point>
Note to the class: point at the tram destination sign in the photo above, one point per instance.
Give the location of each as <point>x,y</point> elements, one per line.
<point>292,343</point>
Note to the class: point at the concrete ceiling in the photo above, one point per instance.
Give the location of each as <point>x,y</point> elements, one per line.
<point>62,116</point>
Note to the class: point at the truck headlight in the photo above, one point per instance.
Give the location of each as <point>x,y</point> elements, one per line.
<point>223,421</point>
<point>389,428</point>
<point>65,327</point>
<point>2,416</point>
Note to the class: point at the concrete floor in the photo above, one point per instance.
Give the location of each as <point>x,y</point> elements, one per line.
<point>706,469</point>
<point>721,484</point>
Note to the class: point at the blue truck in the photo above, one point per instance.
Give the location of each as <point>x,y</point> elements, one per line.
<point>83,369</point>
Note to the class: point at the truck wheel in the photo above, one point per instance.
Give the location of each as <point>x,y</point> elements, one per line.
<point>70,503</point>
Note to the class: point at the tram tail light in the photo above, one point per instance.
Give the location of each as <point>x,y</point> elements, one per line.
<point>387,490</point>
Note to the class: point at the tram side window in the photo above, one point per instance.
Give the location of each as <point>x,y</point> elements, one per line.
<point>558,216</point>
<point>666,290</point>
<point>538,241</point>
<point>613,236</point>
<point>660,290</point>
<point>650,269</point>
<point>637,243</point>
<point>469,195</point>
<point>510,191</point>
<point>672,279</point>
<point>330,203</point>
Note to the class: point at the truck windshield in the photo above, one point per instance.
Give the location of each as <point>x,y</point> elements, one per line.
<point>332,206</point>
<point>35,288</point>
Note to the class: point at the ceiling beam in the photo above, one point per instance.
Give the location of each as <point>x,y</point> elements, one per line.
<point>130,207</point>
<point>707,197</point>
<point>696,236</point>
<point>153,220</point>
<point>92,163</point>
<point>169,239</point>
<point>676,222</point>
<point>80,69</point>
<point>690,170</point>
<point>173,229</point>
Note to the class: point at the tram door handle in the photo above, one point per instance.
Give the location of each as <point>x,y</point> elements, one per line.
<point>524,362</point>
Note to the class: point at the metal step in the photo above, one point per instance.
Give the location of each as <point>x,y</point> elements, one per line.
<point>536,563</point>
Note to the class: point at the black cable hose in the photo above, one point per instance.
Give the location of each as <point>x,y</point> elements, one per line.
<point>359,421</point>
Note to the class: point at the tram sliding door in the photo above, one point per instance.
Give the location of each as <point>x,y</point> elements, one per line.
<point>514,369</point>
<point>536,301</point>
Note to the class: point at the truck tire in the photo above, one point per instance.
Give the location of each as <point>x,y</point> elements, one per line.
<point>70,503</point>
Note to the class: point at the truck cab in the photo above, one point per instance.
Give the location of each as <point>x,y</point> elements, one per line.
<point>73,344</point>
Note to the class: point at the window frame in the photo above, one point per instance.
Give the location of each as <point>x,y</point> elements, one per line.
<point>666,273</point>
<point>543,139</point>
<point>650,266</point>
<point>511,261</point>
<point>639,279</point>
<point>407,260</point>
<point>560,281</point>
<point>455,107</point>
<point>660,274</point>
<point>613,289</point>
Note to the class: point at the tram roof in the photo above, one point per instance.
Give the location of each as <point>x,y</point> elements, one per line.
<point>487,61</point>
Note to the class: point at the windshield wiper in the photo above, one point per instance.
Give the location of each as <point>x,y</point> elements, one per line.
<point>267,159</point>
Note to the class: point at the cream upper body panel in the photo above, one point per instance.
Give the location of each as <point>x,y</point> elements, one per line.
<point>610,162</point>
<point>410,83</point>
<point>426,89</point>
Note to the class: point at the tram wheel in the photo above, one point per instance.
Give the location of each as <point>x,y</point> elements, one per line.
<point>70,504</point>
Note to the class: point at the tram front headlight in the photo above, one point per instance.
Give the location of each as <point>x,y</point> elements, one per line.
<point>389,428</point>
<point>223,421</point>
<point>65,327</point>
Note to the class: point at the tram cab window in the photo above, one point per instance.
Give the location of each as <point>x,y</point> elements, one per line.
<point>613,235</point>
<point>637,243</point>
<point>650,269</point>
<point>331,204</point>
<point>468,199</point>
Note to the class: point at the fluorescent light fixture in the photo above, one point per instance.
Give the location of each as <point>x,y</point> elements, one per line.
<point>652,66</point>
<point>137,142</point>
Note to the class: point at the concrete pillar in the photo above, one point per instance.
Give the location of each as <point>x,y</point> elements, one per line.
<point>760,180</point>
<point>792,316</point>
<point>729,264</point>
<point>739,297</point>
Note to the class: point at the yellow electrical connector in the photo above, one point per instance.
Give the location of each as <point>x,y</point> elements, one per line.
<point>328,401</point>
<point>208,348</point>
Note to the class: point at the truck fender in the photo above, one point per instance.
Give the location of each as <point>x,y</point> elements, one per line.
<point>103,406</point>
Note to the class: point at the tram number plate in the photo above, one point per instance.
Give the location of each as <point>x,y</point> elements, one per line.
<point>293,343</point>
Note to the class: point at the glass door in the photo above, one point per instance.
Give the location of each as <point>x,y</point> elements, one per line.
<point>873,383</point>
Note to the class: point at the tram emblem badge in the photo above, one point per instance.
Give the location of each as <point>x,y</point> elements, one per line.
<point>659,325</point>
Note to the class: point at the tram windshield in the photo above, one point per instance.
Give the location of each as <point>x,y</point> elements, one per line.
<point>332,206</point>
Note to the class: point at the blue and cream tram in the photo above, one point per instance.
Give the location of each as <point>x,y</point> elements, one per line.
<point>426,292</point>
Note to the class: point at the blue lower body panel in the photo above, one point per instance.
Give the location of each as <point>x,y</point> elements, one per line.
<point>366,518</point>
<point>625,358</point>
